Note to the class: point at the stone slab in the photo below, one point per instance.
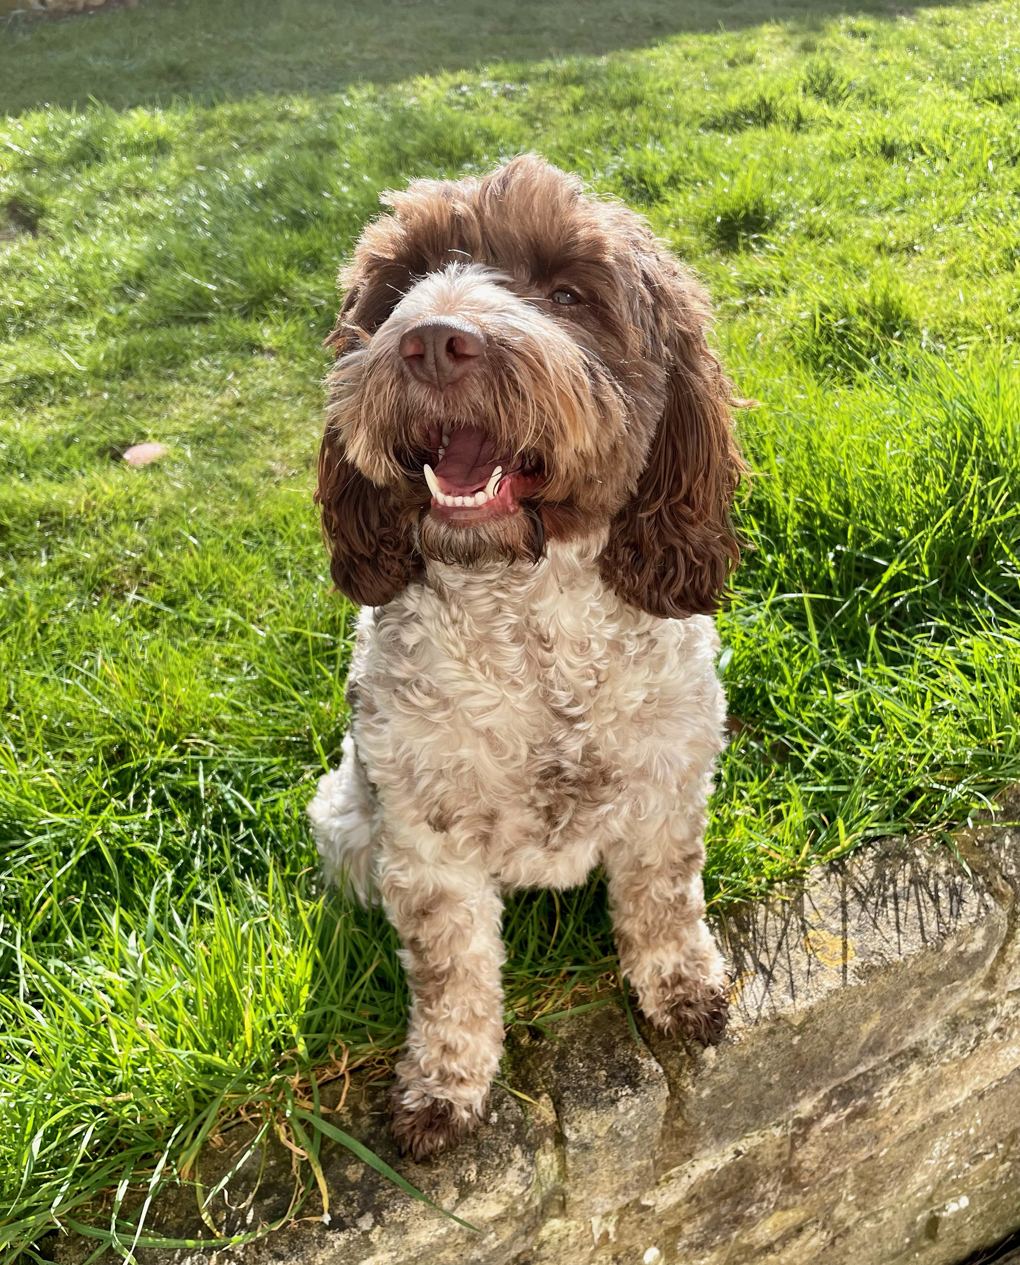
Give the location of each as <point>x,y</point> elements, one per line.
<point>610,1097</point>
<point>828,979</point>
<point>846,1181</point>
<point>992,845</point>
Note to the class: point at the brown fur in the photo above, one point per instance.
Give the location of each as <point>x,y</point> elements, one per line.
<point>368,529</point>
<point>428,1130</point>
<point>621,396</point>
<point>702,1019</point>
<point>671,547</point>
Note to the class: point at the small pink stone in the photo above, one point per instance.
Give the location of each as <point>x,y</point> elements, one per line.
<point>145,454</point>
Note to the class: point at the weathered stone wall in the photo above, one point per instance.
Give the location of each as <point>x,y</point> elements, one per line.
<point>863,1108</point>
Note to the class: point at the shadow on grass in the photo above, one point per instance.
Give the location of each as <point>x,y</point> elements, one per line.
<point>228,49</point>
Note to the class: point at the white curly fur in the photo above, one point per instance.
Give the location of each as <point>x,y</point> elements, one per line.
<point>514,725</point>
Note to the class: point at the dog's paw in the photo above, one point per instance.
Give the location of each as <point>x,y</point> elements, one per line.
<point>697,1010</point>
<point>425,1126</point>
<point>701,1018</point>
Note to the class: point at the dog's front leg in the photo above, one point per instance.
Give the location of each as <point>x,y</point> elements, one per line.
<point>448,919</point>
<point>658,905</point>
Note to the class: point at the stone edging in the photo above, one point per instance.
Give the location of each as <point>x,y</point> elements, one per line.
<point>862,1109</point>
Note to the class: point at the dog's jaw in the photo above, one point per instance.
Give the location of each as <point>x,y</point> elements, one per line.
<point>473,480</point>
<point>480,509</point>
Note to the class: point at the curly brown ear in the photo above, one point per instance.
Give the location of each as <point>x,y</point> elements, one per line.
<point>672,547</point>
<point>370,541</point>
<point>369,533</point>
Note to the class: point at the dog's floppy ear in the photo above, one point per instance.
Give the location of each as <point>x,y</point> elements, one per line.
<point>371,549</point>
<point>370,540</point>
<point>671,547</point>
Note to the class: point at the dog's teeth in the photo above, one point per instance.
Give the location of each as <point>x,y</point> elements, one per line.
<point>442,451</point>
<point>446,438</point>
<point>444,498</point>
<point>490,487</point>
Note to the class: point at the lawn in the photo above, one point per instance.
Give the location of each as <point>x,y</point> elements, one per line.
<point>171,657</point>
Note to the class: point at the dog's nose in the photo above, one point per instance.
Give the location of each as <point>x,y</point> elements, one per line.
<point>439,351</point>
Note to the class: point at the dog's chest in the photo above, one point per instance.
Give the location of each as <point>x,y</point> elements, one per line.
<point>492,677</point>
<point>511,712</point>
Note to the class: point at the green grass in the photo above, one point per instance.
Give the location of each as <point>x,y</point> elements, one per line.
<point>171,660</point>
<point>219,49</point>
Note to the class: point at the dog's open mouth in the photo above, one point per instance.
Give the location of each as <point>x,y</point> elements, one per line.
<point>472,480</point>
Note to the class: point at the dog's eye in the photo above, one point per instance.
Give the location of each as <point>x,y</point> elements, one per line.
<point>565,297</point>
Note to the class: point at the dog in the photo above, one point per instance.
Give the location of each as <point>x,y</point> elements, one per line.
<point>525,480</point>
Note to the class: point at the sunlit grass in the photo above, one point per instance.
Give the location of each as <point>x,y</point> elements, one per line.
<point>172,661</point>
<point>216,50</point>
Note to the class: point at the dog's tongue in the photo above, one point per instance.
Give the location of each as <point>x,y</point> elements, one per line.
<point>469,461</point>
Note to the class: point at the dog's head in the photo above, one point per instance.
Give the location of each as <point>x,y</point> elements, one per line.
<point>518,363</point>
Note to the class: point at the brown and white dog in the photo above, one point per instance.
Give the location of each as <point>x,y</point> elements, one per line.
<point>526,479</point>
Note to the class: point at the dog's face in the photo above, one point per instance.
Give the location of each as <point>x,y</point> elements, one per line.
<point>518,363</point>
